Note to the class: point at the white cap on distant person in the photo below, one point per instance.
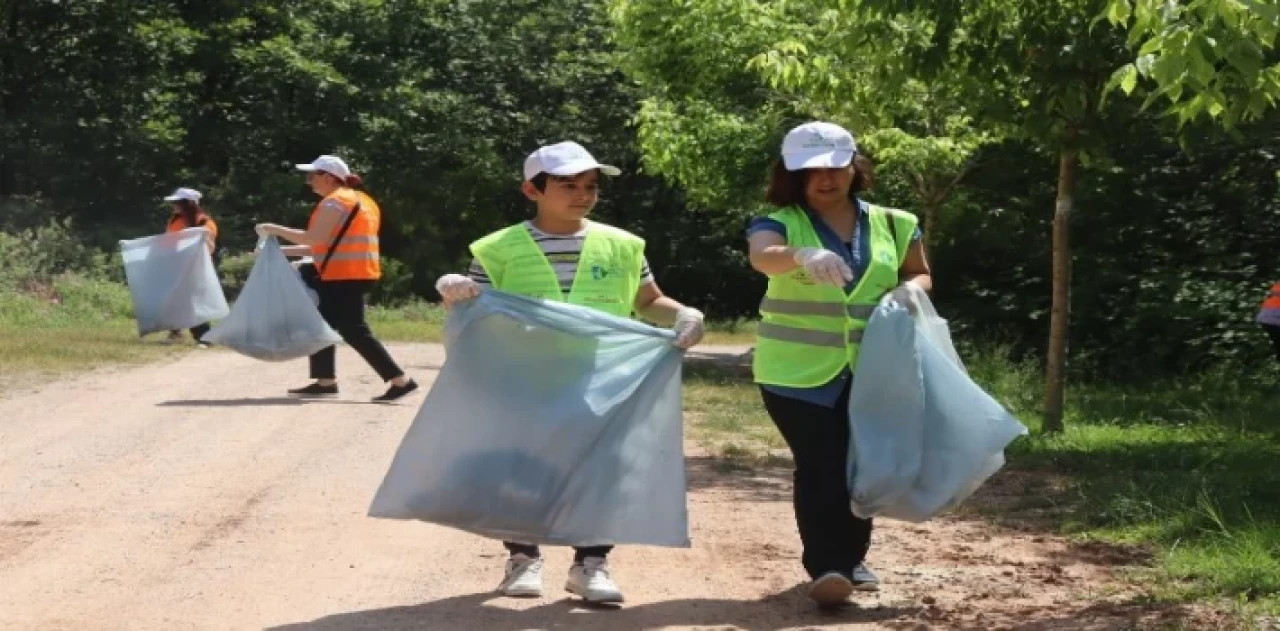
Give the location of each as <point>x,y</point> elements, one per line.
<point>818,145</point>
<point>565,158</point>
<point>333,165</point>
<point>184,194</point>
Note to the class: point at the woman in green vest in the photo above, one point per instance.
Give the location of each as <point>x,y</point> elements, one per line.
<point>560,255</point>
<point>830,258</point>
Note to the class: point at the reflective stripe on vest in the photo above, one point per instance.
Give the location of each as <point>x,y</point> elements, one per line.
<point>810,332</point>
<point>607,278</point>
<point>808,336</point>
<point>808,307</point>
<point>358,255</point>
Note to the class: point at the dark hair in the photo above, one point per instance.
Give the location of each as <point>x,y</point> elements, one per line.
<point>190,211</point>
<point>351,181</point>
<point>786,188</point>
<point>539,181</point>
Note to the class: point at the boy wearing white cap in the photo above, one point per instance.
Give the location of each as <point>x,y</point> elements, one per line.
<point>560,255</point>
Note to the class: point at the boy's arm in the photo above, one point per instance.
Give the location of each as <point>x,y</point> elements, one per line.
<point>656,307</point>
<point>663,310</point>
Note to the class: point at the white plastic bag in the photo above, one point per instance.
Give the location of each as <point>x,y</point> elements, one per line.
<point>275,318</point>
<point>549,423</point>
<point>923,435</point>
<point>931,324</point>
<point>172,281</point>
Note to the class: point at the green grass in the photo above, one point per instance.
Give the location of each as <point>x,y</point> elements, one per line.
<point>75,325</point>
<point>78,324</point>
<point>1187,469</point>
<point>726,417</point>
<point>414,322</point>
<point>424,322</point>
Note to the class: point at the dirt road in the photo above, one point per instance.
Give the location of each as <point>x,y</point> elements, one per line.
<point>190,495</point>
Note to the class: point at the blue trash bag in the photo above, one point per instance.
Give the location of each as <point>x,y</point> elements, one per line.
<point>274,318</point>
<point>172,281</point>
<point>549,423</point>
<point>923,435</point>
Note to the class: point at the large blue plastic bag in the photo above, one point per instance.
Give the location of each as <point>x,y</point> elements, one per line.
<point>923,435</point>
<point>172,281</point>
<point>274,318</point>
<point>549,423</point>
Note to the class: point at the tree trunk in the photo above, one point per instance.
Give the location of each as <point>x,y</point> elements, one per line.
<point>1060,320</point>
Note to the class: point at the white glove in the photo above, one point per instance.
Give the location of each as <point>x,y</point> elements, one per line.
<point>457,288</point>
<point>689,328</point>
<point>824,266</point>
<point>261,229</point>
<point>906,295</point>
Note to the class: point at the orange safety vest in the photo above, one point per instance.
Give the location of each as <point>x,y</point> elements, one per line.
<point>1272,302</point>
<point>178,223</point>
<point>357,256</point>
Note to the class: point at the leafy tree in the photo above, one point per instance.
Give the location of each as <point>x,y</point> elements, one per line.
<point>1208,58</point>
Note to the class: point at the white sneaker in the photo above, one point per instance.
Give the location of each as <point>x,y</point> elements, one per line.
<point>591,581</point>
<point>831,590</point>
<point>523,579</point>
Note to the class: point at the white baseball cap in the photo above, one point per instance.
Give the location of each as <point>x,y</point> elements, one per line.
<point>566,158</point>
<point>332,165</point>
<point>818,145</point>
<point>184,194</point>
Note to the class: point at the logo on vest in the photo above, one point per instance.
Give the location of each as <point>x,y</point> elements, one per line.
<point>599,272</point>
<point>886,257</point>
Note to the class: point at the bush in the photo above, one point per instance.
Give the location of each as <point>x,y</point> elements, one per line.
<point>31,259</point>
<point>235,272</point>
<point>396,286</point>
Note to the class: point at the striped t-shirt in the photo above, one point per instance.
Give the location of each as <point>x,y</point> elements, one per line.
<point>563,251</point>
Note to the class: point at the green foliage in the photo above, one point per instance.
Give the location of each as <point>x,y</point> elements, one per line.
<point>1208,59</point>
<point>437,103</point>
<point>31,259</point>
<point>234,273</point>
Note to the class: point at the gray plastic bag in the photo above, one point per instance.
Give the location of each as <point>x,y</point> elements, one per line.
<point>548,424</point>
<point>923,435</point>
<point>172,281</point>
<point>274,318</point>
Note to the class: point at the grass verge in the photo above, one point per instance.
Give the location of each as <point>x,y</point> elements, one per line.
<point>1188,470</point>
<point>77,325</point>
<point>424,322</point>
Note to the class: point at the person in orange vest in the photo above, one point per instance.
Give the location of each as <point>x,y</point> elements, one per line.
<point>342,240</point>
<point>188,213</point>
<point>1269,317</point>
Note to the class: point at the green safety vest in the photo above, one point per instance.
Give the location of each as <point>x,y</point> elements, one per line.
<point>607,278</point>
<point>811,331</point>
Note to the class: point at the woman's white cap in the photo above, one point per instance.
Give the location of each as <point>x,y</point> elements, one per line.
<point>818,145</point>
<point>332,165</point>
<point>184,194</point>
<point>565,158</point>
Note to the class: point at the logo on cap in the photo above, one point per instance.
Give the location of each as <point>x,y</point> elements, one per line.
<point>818,141</point>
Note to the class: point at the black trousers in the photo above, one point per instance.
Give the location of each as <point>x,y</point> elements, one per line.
<point>1274,332</point>
<point>342,306</point>
<point>579,554</point>
<point>834,539</point>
